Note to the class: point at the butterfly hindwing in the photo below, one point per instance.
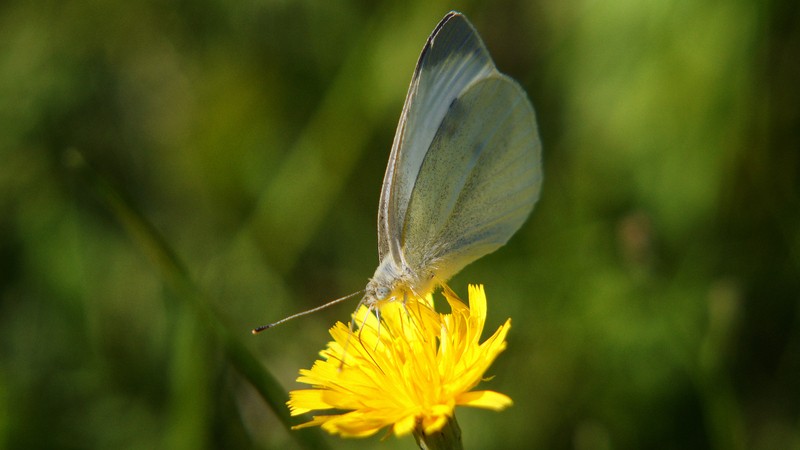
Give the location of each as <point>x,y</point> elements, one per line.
<point>478,181</point>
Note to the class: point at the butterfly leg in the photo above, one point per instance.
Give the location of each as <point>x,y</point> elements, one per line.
<point>352,332</point>
<point>378,315</point>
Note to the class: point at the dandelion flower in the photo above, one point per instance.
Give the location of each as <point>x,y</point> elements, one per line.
<point>407,371</point>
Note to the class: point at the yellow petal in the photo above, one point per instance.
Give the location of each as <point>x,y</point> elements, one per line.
<point>405,426</point>
<point>316,420</point>
<point>433,424</point>
<point>302,401</point>
<point>485,399</point>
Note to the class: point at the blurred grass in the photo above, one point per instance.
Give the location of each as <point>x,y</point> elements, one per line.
<point>654,291</point>
<point>190,344</point>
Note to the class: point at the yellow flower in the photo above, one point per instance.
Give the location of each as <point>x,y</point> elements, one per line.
<point>408,371</point>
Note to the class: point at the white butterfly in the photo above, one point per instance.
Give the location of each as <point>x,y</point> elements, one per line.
<point>464,172</point>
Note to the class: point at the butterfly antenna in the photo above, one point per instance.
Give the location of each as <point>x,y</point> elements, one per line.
<point>303,313</point>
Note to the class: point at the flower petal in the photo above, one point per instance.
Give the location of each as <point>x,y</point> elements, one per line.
<point>433,424</point>
<point>302,401</point>
<point>485,399</point>
<point>405,426</point>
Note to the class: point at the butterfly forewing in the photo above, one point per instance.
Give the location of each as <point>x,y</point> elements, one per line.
<point>452,59</point>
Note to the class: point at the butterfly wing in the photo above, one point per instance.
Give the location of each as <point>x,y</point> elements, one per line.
<point>453,58</point>
<point>478,180</point>
<point>465,168</point>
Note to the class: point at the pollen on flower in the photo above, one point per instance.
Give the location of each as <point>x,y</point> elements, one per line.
<point>408,370</point>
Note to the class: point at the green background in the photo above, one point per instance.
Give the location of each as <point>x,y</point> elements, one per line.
<point>653,292</point>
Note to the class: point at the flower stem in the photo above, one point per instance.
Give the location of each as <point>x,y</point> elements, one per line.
<point>448,438</point>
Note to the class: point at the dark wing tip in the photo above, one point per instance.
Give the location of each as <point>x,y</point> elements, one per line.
<point>452,19</point>
<point>447,17</point>
<point>452,16</point>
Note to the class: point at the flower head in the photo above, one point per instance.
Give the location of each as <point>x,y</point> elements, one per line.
<point>407,370</point>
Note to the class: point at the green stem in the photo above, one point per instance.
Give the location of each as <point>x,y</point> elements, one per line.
<point>448,438</point>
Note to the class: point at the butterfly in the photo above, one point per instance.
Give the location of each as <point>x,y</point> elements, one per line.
<point>464,172</point>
